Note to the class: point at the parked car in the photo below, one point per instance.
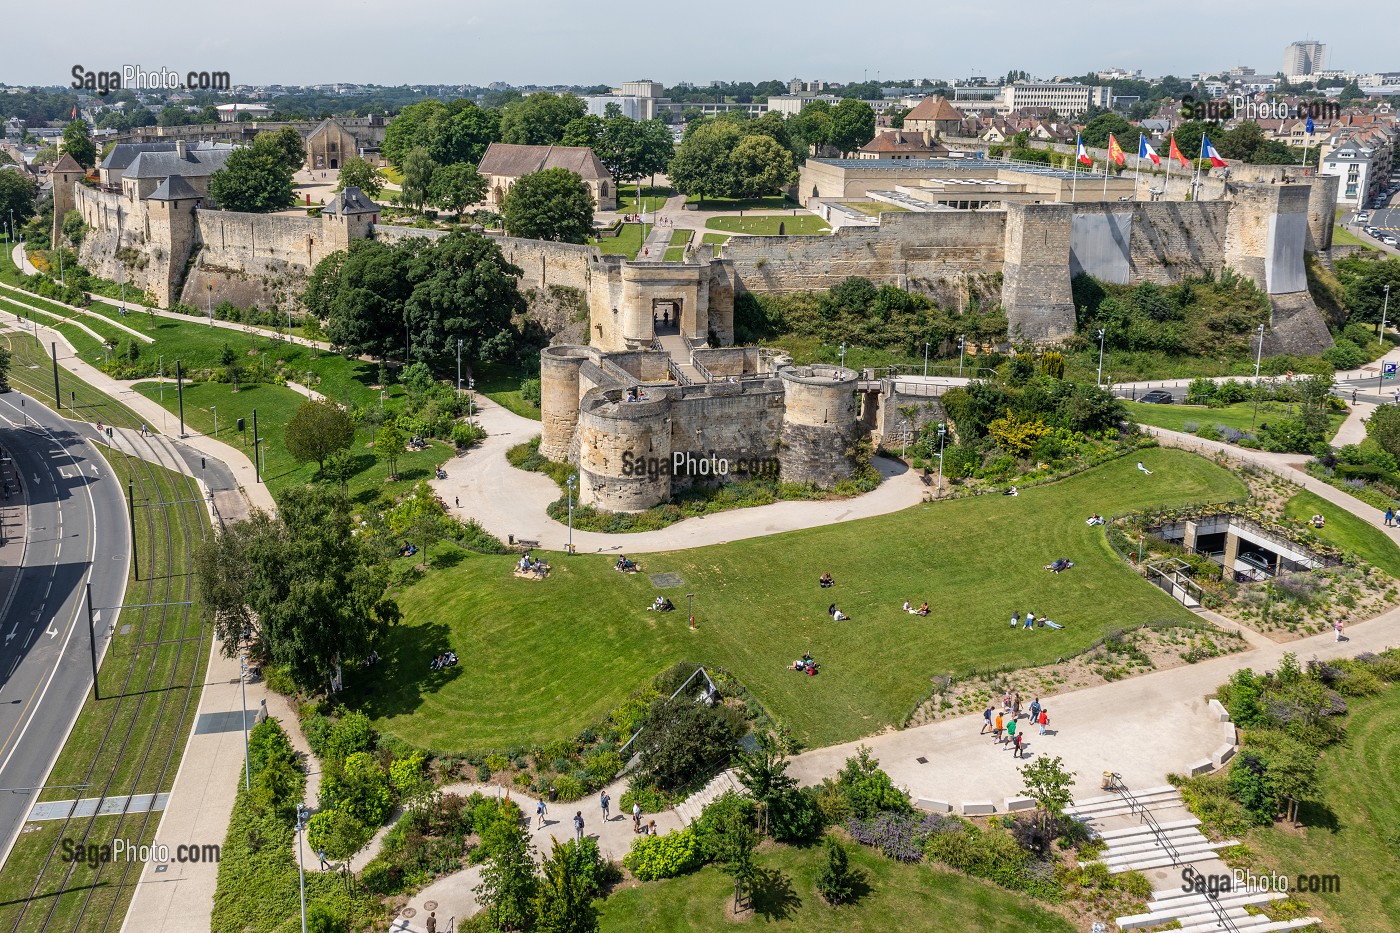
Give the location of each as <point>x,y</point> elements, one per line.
<point>1257,561</point>
<point>1157,397</point>
<point>1389,240</point>
<point>1364,217</point>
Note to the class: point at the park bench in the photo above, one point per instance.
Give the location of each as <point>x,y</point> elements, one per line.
<point>525,543</point>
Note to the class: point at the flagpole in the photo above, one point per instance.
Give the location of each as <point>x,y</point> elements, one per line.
<point>1167,185</point>
<point>1105,178</point>
<point>1196,182</point>
<point>1137,166</point>
<point>1307,141</point>
<point>1074,185</point>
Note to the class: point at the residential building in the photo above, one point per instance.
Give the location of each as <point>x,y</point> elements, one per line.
<point>1064,97</point>
<point>228,113</point>
<point>504,164</point>
<point>1304,58</point>
<point>935,116</point>
<point>1363,163</point>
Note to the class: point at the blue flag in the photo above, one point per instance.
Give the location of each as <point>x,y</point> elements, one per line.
<point>1310,126</point>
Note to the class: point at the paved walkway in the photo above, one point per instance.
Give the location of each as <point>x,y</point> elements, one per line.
<point>482,485</point>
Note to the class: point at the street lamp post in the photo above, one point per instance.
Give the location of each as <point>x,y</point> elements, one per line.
<point>243,684</point>
<point>1384,309</point>
<point>843,353</point>
<point>690,609</point>
<point>573,478</point>
<point>1258,359</point>
<point>459,366</point>
<point>904,437</point>
<point>962,350</point>
<point>925,359</point>
<point>301,867</point>
<point>209,301</point>
<point>471,390</point>
<point>942,433</point>
<point>215,410</point>
<point>1098,382</point>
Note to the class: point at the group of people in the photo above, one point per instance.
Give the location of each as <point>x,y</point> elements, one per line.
<point>529,565</point>
<point>836,614</point>
<point>635,394</point>
<point>1095,519</point>
<point>1031,621</point>
<point>825,581</point>
<point>446,659</point>
<point>909,608</point>
<point>661,604</point>
<point>805,665</point>
<point>624,565</point>
<point>1004,724</point>
<point>1059,564</point>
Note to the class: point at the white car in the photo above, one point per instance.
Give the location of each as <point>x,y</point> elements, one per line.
<point>1364,217</point>
<point>1389,240</point>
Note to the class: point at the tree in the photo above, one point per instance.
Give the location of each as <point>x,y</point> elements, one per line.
<point>702,164</point>
<point>563,897</point>
<point>1050,786</point>
<point>300,585</point>
<point>586,130</point>
<point>418,169</point>
<point>339,468</point>
<point>457,131</point>
<point>455,186</point>
<point>852,125</point>
<point>78,144</point>
<point>508,880</point>
<point>5,359</point>
<point>317,430</point>
<point>553,204</point>
<point>356,172</point>
<point>761,166</point>
<point>681,740</point>
<point>734,845</point>
<point>811,129</point>
<point>287,144</point>
<point>1096,131</point>
<point>763,771</point>
<point>17,197</point>
<point>837,881</point>
<point>1384,428</point>
<point>1351,93</point>
<point>255,179</point>
<point>539,119</point>
<point>388,446</point>
<point>360,293</point>
<point>464,289</point>
<point>1292,774</point>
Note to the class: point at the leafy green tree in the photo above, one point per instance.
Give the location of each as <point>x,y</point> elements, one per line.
<point>74,227</point>
<point>339,468</point>
<point>563,897</point>
<point>702,165</point>
<point>17,197</point>
<point>317,430</point>
<point>553,204</point>
<point>1188,136</point>
<point>310,592</point>
<point>763,771</point>
<point>456,131</point>
<point>866,788</point>
<point>586,130</point>
<point>455,186</point>
<point>1351,93</point>
<point>734,844</point>
<point>418,170</point>
<point>761,166</point>
<point>837,881</point>
<point>360,293</point>
<point>1097,130</point>
<point>682,740</point>
<point>255,179</point>
<point>389,444</point>
<point>508,882</point>
<point>356,172</point>
<point>78,143</point>
<point>1050,786</point>
<point>464,289</point>
<point>852,125</point>
<point>540,119</point>
<point>287,144</point>
<point>5,359</point>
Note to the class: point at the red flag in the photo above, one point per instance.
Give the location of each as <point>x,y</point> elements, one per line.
<point>1175,153</point>
<point>1115,151</point>
<point>75,111</point>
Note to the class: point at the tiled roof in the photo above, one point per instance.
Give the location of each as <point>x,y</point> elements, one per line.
<point>512,161</point>
<point>194,163</point>
<point>934,108</point>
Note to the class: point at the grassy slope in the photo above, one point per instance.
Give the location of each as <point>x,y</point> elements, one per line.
<point>1346,531</point>
<point>1239,416</point>
<point>909,898</point>
<point>548,659</point>
<point>1354,836</point>
<point>799,225</point>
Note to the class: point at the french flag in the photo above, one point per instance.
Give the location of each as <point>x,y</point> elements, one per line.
<point>1083,152</point>
<point>1208,151</point>
<point>1147,152</point>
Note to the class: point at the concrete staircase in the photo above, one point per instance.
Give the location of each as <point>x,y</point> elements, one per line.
<point>674,345</point>
<point>689,809</point>
<point>1195,913</point>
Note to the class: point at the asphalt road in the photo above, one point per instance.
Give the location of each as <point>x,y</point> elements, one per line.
<point>77,534</point>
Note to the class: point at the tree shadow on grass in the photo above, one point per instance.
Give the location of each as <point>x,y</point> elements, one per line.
<point>404,675</point>
<point>771,895</point>
<point>1318,815</point>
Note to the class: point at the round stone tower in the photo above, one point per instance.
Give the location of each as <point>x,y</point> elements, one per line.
<point>624,454</point>
<point>818,423</point>
<point>559,399</point>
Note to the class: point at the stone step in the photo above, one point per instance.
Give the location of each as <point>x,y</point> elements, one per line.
<point>1108,835</point>
<point>1126,809</point>
<point>1247,924</point>
<point>1166,861</point>
<point>1193,908</point>
<point>1165,789</point>
<point>1182,846</point>
<point>1148,841</point>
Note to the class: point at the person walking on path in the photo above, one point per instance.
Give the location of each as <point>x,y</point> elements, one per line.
<point>1016,707</point>
<point>540,810</point>
<point>1035,709</point>
<point>636,818</point>
<point>651,828</point>
<point>578,825</point>
<point>1044,720</point>
<point>986,721</point>
<point>1339,630</point>
<point>996,730</point>
<point>606,801</point>
<point>1017,752</point>
<point>432,922</point>
<point>1390,516</point>
<point>1011,730</point>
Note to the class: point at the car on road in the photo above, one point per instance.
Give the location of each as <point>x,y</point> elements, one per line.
<point>1364,217</point>
<point>1389,240</point>
<point>1371,231</point>
<point>1157,397</point>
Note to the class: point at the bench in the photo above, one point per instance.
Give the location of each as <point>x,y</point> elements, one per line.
<point>523,542</point>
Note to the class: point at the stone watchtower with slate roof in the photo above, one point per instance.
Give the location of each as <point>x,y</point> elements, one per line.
<point>349,216</point>
<point>170,213</point>
<point>65,174</point>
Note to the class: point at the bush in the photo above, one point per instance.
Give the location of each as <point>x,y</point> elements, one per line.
<point>530,391</point>
<point>645,795</point>
<point>359,787</point>
<point>727,809</point>
<point>867,789</point>
<point>683,741</point>
<point>351,733</point>
<point>794,815</point>
<point>467,434</point>
<point>267,743</point>
<point>602,767</point>
<point>837,882</point>
<point>406,774</point>
<point>569,788</point>
<point>655,857</point>
<point>337,832</point>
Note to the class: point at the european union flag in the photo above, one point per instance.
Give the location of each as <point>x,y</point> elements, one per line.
<point>1310,126</point>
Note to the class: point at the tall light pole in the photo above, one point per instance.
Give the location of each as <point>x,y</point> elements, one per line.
<point>215,410</point>
<point>904,437</point>
<point>925,359</point>
<point>1384,309</point>
<point>843,353</point>
<point>301,867</point>
<point>459,367</point>
<point>1098,381</point>
<point>471,390</point>
<point>942,433</point>
<point>209,301</point>
<point>962,350</point>
<point>1258,359</point>
<point>690,609</point>
<point>573,478</point>
<point>243,683</point>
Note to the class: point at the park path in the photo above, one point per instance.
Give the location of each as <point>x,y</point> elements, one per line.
<point>482,485</point>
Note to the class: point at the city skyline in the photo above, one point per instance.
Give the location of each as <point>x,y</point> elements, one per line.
<point>554,43</point>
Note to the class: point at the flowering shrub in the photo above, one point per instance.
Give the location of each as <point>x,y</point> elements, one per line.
<point>899,836</point>
<point>655,857</point>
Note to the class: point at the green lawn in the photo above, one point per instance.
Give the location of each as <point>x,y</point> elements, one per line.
<point>1346,531</point>
<point>551,658</point>
<point>1355,833</point>
<point>627,243</point>
<point>1341,236</point>
<point>393,175</point>
<point>501,383</point>
<point>681,237</point>
<point>873,208</point>
<point>653,198</point>
<point>714,239</point>
<point>675,254</point>
<point>1239,416</point>
<point>917,898</point>
<point>773,202</point>
<point>792,225</point>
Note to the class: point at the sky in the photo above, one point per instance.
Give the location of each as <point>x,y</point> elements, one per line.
<point>548,42</point>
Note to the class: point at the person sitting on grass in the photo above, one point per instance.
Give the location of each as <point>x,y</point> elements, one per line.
<point>525,562</point>
<point>826,581</point>
<point>1318,521</point>
<point>661,604</point>
<point>1011,492</point>
<point>922,610</point>
<point>624,565</point>
<point>908,607</point>
<point>836,614</point>
<point>1059,564</point>
<point>1095,519</point>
